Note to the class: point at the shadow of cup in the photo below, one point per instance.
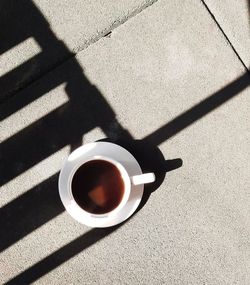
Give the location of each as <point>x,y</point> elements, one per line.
<point>150,159</point>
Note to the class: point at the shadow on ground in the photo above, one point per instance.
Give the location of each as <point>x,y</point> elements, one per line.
<point>150,159</point>
<point>86,109</point>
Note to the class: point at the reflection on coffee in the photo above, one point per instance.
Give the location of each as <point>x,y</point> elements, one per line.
<point>97,186</point>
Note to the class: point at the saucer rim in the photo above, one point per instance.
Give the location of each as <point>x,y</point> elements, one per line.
<point>135,194</point>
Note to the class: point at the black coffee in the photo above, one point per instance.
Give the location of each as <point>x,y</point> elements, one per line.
<point>97,186</point>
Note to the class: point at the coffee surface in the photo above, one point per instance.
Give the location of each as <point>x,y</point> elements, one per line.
<point>97,186</point>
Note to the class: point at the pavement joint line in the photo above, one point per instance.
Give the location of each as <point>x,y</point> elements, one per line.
<point>105,33</point>
<point>226,37</point>
<point>114,25</point>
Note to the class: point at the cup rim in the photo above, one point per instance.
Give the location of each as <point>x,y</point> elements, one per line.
<point>124,175</point>
<point>83,153</point>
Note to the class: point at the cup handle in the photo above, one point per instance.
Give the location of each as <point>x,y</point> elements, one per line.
<point>143,178</point>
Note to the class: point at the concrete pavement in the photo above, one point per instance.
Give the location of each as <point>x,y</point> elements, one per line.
<point>168,77</point>
<point>39,35</point>
<point>234,19</point>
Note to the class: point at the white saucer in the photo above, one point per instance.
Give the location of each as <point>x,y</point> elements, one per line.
<point>85,152</point>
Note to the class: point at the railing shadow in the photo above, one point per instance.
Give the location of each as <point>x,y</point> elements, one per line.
<point>66,125</point>
<point>88,239</point>
<point>19,21</point>
<point>85,110</point>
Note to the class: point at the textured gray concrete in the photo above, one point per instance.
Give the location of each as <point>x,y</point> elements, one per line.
<point>167,75</point>
<point>76,24</point>
<point>234,19</point>
<point>84,22</point>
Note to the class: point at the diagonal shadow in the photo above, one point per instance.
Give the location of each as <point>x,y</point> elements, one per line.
<point>198,111</point>
<point>173,127</point>
<point>47,191</point>
<point>19,21</point>
<point>18,219</point>
<point>68,251</point>
<point>58,129</point>
<point>86,109</point>
<point>61,255</point>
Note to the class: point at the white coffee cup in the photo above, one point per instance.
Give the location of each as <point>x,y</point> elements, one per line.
<point>124,162</point>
